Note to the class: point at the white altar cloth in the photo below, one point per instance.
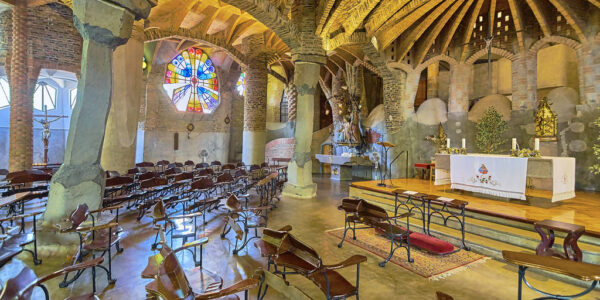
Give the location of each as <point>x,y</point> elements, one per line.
<point>496,175</point>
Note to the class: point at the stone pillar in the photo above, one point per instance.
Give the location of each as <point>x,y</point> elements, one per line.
<point>411,86</point>
<point>588,63</point>
<point>118,151</point>
<point>291,93</point>
<point>524,81</point>
<point>255,101</point>
<point>460,84</point>
<point>21,110</point>
<point>104,26</point>
<point>433,73</point>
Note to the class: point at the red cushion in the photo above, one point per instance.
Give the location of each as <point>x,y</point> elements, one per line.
<point>426,242</point>
<point>422,165</point>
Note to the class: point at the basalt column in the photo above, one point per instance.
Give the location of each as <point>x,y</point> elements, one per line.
<point>118,152</point>
<point>21,110</point>
<point>103,25</point>
<point>255,101</point>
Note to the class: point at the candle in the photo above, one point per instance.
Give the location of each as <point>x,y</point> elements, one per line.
<point>537,144</point>
<point>464,143</point>
<point>514,144</point>
<point>447,143</point>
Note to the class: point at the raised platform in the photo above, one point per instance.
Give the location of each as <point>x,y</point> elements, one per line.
<point>496,225</point>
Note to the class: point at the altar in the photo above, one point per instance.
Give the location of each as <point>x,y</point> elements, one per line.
<point>506,176</point>
<point>341,166</point>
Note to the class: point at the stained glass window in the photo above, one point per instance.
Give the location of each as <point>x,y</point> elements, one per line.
<point>73,97</point>
<point>191,82</point>
<point>44,95</point>
<point>4,93</point>
<point>240,86</point>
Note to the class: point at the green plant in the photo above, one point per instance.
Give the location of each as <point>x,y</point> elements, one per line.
<point>595,168</point>
<point>490,131</point>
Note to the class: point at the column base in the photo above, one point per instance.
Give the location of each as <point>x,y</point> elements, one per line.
<point>301,192</point>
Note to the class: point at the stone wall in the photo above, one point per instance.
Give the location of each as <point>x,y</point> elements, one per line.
<point>279,148</point>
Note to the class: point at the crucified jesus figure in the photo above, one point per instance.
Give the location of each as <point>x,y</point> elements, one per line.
<point>46,132</point>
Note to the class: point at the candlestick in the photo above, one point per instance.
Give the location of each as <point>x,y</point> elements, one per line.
<point>464,143</point>
<point>537,144</point>
<point>447,143</point>
<point>514,144</point>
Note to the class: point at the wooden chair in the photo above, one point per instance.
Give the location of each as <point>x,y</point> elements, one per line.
<point>578,270</point>
<point>177,227</point>
<point>145,164</point>
<point>241,220</point>
<point>18,236</point>
<point>225,183</point>
<point>93,238</point>
<point>284,288</point>
<point>161,164</point>
<point>200,193</point>
<point>207,172</point>
<point>21,286</point>
<point>118,190</point>
<point>293,254</point>
<point>171,283</point>
<point>372,216</point>
<point>269,243</point>
<point>189,164</point>
<point>151,189</point>
<point>202,165</point>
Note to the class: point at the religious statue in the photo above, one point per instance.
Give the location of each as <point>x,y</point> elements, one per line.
<point>545,121</point>
<point>46,131</point>
<point>439,140</point>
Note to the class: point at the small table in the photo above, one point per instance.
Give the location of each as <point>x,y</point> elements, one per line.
<point>571,249</point>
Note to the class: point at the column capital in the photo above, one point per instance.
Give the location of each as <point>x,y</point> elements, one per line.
<point>310,50</point>
<point>109,23</point>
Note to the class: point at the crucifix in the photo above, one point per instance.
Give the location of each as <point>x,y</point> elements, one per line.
<point>488,44</point>
<point>45,121</point>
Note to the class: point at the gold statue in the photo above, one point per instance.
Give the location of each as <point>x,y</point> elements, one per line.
<point>439,140</point>
<point>545,122</point>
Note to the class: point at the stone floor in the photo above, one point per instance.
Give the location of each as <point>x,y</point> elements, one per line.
<point>309,218</point>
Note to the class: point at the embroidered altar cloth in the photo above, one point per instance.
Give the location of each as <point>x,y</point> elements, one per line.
<point>496,175</point>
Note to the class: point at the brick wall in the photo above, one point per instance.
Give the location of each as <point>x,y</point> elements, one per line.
<point>57,44</point>
<point>280,148</point>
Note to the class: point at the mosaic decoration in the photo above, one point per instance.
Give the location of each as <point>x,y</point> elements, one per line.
<point>191,82</point>
<point>240,85</point>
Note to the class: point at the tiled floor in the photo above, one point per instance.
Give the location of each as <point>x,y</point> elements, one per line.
<point>309,218</point>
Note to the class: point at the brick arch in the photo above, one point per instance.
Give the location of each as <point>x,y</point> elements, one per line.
<point>154,34</point>
<point>441,57</point>
<point>537,46</point>
<point>406,68</point>
<point>498,51</point>
<point>268,14</point>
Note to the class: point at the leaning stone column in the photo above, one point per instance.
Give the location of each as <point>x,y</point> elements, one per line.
<point>103,25</point>
<point>255,101</point>
<point>21,110</point>
<point>118,152</point>
<point>306,76</point>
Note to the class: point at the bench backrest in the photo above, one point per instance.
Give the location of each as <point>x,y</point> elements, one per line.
<point>203,183</point>
<point>233,203</point>
<point>291,244</point>
<point>152,182</point>
<point>171,280</point>
<point>215,163</point>
<point>184,176</point>
<point>225,177</point>
<point>206,172</point>
<point>119,180</point>
<point>145,164</point>
<point>364,209</point>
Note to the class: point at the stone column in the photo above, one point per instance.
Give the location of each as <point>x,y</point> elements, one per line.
<point>104,26</point>
<point>255,101</point>
<point>588,63</point>
<point>21,110</point>
<point>460,84</point>
<point>300,184</point>
<point>433,73</point>
<point>118,151</point>
<point>524,81</point>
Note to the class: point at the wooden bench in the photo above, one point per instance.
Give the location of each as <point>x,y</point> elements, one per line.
<point>242,220</point>
<point>578,270</point>
<point>372,216</point>
<point>287,252</point>
<point>570,247</point>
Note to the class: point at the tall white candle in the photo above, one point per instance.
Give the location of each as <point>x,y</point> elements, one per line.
<point>447,143</point>
<point>464,143</point>
<point>514,144</point>
<point>537,144</point>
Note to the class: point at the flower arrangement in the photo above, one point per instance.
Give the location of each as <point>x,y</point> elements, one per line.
<point>462,151</point>
<point>525,153</point>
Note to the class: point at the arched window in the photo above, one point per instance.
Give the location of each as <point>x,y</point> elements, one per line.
<point>283,108</point>
<point>191,82</point>
<point>73,97</point>
<point>4,93</point>
<point>44,96</point>
<point>240,85</point>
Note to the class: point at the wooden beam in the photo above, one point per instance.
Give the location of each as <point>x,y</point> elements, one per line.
<point>517,16</point>
<point>391,31</point>
<point>451,30</point>
<point>333,17</point>
<point>382,13</point>
<point>356,16</point>
<point>540,15</point>
<point>323,10</point>
<point>469,29</point>
<point>491,17</point>
<point>572,18</point>
<point>595,3</point>
<point>423,45</point>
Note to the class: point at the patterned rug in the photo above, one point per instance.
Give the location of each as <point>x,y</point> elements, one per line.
<point>427,265</point>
